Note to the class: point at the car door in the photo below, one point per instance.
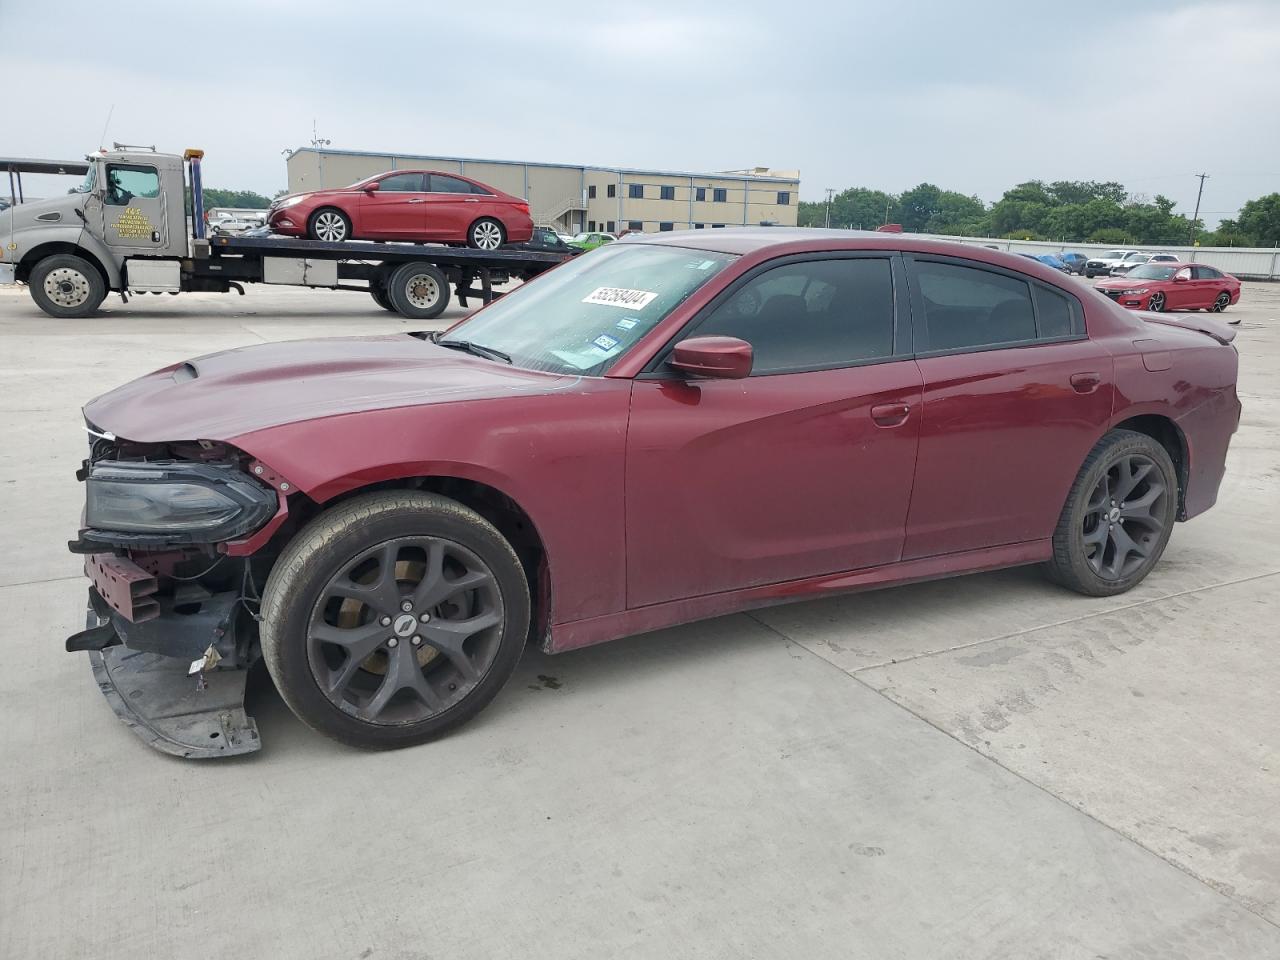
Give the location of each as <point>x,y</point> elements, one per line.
<point>395,211</point>
<point>451,208</point>
<point>1182,291</point>
<point>1015,395</point>
<point>134,218</point>
<point>1206,284</point>
<point>803,468</point>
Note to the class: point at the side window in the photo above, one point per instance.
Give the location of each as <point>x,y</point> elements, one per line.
<point>1057,315</point>
<point>1204,273</point>
<point>815,314</point>
<point>401,183</point>
<point>128,180</point>
<point>442,184</point>
<point>969,308</point>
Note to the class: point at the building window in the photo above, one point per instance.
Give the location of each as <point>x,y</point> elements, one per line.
<point>591,226</point>
<point>666,226</point>
<point>720,195</point>
<point>591,192</point>
<point>698,226</point>
<point>716,226</point>
<point>700,194</point>
<point>611,190</point>
<point>635,224</point>
<point>668,193</point>
<point>635,191</point>
<point>784,198</point>
<point>610,227</point>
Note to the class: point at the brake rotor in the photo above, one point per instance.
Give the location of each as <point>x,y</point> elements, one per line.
<point>351,614</point>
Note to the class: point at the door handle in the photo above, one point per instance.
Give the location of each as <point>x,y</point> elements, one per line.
<point>890,414</point>
<point>417,200</point>
<point>1085,382</point>
<point>470,201</point>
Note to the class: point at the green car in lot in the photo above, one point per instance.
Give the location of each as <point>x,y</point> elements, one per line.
<point>591,239</point>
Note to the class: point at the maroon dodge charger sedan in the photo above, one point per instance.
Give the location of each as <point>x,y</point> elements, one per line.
<point>665,429</point>
<point>420,205</point>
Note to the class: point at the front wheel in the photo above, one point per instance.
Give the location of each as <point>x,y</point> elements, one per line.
<point>1118,516</point>
<point>66,286</point>
<point>329,224</point>
<point>1157,302</point>
<point>393,618</point>
<point>486,234</point>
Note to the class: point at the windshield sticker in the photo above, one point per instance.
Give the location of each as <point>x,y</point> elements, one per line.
<point>606,342</point>
<point>626,323</point>
<point>620,297</point>
<point>706,264</point>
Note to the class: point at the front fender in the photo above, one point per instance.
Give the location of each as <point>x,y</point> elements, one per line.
<point>36,243</point>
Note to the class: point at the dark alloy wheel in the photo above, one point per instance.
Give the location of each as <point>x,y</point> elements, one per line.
<point>1156,303</point>
<point>1223,301</point>
<point>393,618</point>
<point>1118,516</point>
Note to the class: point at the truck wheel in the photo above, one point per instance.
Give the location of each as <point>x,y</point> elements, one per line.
<point>379,294</point>
<point>1117,518</point>
<point>67,286</point>
<point>330,224</point>
<point>486,234</point>
<point>393,618</point>
<point>418,291</point>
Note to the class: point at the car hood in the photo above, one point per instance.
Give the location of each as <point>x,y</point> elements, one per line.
<point>1124,283</point>
<point>225,395</point>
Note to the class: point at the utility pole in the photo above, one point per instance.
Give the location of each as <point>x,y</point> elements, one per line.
<point>830,192</point>
<point>1196,216</point>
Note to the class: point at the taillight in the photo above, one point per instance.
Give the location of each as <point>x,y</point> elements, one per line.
<point>522,207</point>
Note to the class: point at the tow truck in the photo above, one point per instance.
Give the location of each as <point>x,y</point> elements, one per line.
<point>124,229</point>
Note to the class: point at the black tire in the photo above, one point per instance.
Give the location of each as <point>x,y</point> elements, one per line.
<point>327,223</point>
<point>66,286</point>
<point>1089,274</point>
<point>418,290</point>
<point>481,234</point>
<point>303,574</point>
<point>1100,570</point>
<point>1221,303</point>
<point>379,294</point>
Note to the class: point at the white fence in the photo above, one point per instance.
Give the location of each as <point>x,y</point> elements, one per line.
<point>1249,263</point>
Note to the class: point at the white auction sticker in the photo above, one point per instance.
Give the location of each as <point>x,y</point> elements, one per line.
<point>620,297</point>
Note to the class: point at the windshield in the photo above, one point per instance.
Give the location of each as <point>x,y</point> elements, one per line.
<point>583,237</point>
<point>86,185</point>
<point>1138,256</point>
<point>582,316</point>
<point>1113,255</point>
<point>1150,271</point>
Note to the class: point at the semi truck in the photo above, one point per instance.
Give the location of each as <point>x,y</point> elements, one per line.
<point>124,229</point>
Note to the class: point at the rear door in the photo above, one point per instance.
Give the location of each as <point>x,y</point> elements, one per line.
<point>396,210</point>
<point>1207,284</point>
<point>1015,396</point>
<point>134,217</point>
<point>801,469</point>
<point>451,208</point>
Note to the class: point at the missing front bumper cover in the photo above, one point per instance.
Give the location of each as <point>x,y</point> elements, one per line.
<point>156,699</point>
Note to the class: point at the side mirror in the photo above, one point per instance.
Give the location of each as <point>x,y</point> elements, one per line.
<point>718,358</point>
<point>373,187</point>
<point>1181,277</point>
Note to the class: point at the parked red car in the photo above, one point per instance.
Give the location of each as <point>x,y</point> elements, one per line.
<point>421,205</point>
<point>1173,286</point>
<point>674,427</point>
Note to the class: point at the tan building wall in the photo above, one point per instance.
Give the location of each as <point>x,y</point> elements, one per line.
<point>561,195</point>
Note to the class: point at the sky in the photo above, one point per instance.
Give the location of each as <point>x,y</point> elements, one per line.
<point>973,96</point>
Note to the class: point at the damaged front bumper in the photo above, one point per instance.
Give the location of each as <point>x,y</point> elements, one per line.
<point>173,667</point>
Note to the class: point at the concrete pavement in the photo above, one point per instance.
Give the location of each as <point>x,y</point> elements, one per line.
<point>980,767</point>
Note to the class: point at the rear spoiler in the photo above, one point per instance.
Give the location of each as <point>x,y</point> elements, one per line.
<point>1201,322</point>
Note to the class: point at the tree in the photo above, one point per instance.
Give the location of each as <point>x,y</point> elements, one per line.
<point>856,207</point>
<point>918,206</point>
<point>246,199</point>
<point>1260,219</point>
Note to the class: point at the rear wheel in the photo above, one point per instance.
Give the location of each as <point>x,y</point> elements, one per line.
<point>418,291</point>
<point>67,286</point>
<point>1223,301</point>
<point>329,224</point>
<point>1118,516</point>
<point>1157,302</point>
<point>394,618</point>
<point>486,234</point>
<point>379,294</point>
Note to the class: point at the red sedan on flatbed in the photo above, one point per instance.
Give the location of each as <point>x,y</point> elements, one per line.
<point>1173,286</point>
<point>671,427</point>
<point>411,205</point>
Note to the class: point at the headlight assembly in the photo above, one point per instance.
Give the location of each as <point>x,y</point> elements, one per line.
<point>1133,293</point>
<point>289,202</point>
<point>173,501</point>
